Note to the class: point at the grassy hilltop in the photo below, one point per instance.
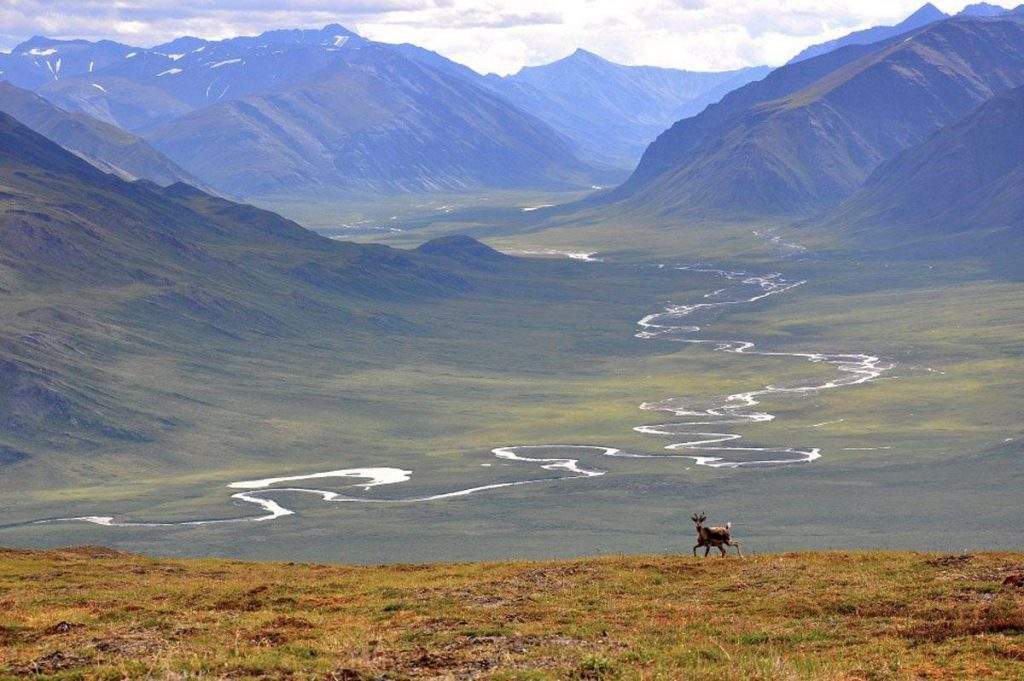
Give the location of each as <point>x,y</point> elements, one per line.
<point>95,613</point>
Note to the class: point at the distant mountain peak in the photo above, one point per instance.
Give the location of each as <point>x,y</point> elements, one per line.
<point>305,35</point>
<point>926,13</point>
<point>36,42</point>
<point>581,53</point>
<point>185,43</point>
<point>982,9</point>
<point>42,41</point>
<point>336,28</point>
<point>579,56</point>
<point>286,36</point>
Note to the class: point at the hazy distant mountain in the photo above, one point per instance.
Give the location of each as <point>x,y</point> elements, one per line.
<point>40,60</point>
<point>967,177</point>
<point>145,87</point>
<point>115,100</point>
<point>982,9</point>
<point>612,112</point>
<point>309,110</point>
<point>105,146</point>
<point>372,120</point>
<point>439,62</point>
<point>808,135</point>
<point>925,15</point>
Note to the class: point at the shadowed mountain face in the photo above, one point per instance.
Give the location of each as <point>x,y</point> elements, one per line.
<point>967,178</point>
<point>95,270</point>
<point>808,135</point>
<point>612,112</point>
<point>311,110</point>
<point>371,121</point>
<point>922,17</point>
<point>65,221</point>
<point>103,145</point>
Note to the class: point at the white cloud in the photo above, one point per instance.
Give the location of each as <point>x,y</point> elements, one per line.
<point>489,35</point>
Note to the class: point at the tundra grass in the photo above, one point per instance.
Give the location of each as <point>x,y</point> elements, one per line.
<point>90,613</point>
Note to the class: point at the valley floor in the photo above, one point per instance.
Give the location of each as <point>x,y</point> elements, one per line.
<point>95,613</point>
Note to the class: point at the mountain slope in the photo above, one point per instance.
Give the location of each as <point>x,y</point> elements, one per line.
<point>136,88</point>
<point>105,146</point>
<point>315,110</point>
<point>922,17</point>
<point>612,112</point>
<point>94,78</point>
<point>809,134</point>
<point>370,121</point>
<point>967,177</point>
<point>117,101</point>
<point>96,272</point>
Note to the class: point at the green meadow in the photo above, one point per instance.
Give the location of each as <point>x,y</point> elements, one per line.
<point>543,352</point>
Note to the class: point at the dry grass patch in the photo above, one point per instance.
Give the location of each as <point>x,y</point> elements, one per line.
<point>92,613</point>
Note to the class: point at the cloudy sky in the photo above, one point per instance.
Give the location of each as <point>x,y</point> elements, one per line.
<point>489,35</point>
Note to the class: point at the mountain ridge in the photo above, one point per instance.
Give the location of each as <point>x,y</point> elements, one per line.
<point>613,111</point>
<point>373,122</point>
<point>810,133</point>
<point>401,126</point>
<point>90,265</point>
<point>923,16</point>
<point>107,147</point>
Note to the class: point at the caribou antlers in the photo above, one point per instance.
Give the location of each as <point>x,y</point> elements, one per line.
<point>718,537</point>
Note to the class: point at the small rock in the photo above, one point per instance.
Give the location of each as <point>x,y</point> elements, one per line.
<point>62,627</point>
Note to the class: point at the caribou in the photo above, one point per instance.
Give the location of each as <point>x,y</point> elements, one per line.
<point>718,537</point>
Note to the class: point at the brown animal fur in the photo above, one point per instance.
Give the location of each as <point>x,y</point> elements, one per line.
<point>718,537</point>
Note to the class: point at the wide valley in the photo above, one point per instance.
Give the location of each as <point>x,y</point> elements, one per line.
<point>660,388</point>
